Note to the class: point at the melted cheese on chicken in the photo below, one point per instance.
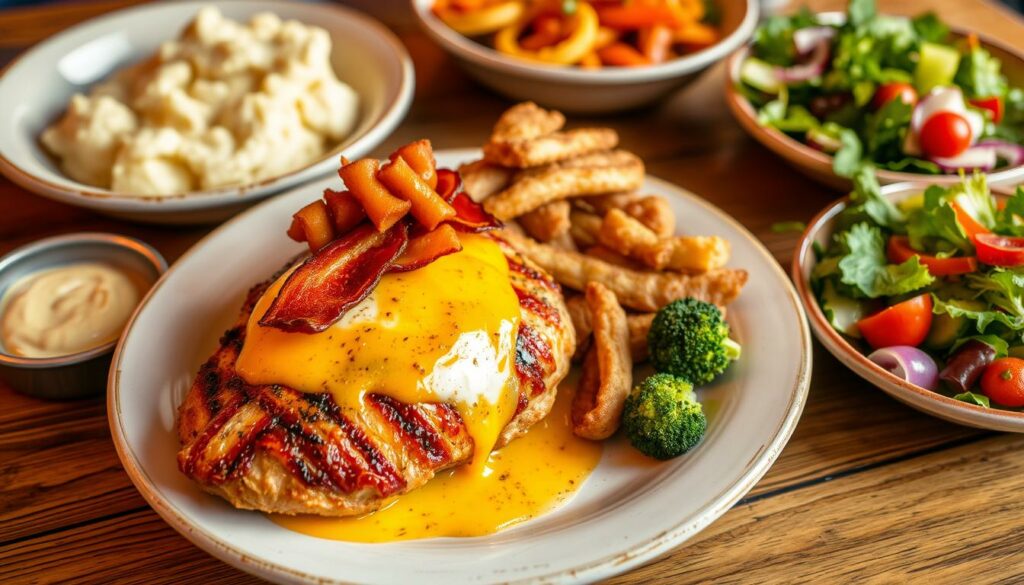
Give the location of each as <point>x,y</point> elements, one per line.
<point>443,333</point>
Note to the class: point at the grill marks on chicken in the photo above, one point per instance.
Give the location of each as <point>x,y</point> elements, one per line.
<point>276,449</point>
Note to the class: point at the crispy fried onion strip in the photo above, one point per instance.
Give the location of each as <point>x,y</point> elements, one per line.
<point>608,371</point>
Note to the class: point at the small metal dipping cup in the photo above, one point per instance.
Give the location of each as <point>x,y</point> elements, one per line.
<point>84,373</point>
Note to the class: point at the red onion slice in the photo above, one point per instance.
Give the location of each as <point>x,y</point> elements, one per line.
<point>1012,153</point>
<point>982,158</point>
<point>814,66</point>
<point>807,39</point>
<point>909,363</point>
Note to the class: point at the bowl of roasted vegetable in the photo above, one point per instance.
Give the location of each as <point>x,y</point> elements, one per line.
<point>916,98</point>
<point>590,56</point>
<point>919,289</point>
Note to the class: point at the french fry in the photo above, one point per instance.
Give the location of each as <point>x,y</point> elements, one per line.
<point>631,238</point>
<point>383,208</point>
<point>547,222</point>
<point>612,257</point>
<point>564,242</point>
<point>650,210</point>
<point>554,147</point>
<point>597,408</point>
<point>420,156</point>
<point>584,228</point>
<point>589,175</point>
<point>524,121</point>
<point>315,225</point>
<point>344,209</point>
<point>427,206</point>
<point>639,325</point>
<point>638,290</point>
<point>481,179</point>
<point>698,253</point>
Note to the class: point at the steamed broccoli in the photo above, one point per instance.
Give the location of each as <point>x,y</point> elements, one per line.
<point>662,417</point>
<point>689,338</point>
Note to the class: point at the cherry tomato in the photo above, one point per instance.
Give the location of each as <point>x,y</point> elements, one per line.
<point>972,226</point>
<point>898,251</point>
<point>895,90</point>
<point>1003,381</point>
<point>905,323</point>
<point>996,250</point>
<point>945,134</point>
<point>993,104</point>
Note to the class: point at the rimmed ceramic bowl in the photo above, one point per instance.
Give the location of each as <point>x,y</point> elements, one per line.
<point>819,232</point>
<point>36,87</point>
<point>79,374</point>
<point>572,89</point>
<point>816,164</point>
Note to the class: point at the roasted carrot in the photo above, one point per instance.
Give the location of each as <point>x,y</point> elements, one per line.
<point>655,43</point>
<point>695,35</point>
<point>622,55</point>
<point>420,156</point>
<point>636,16</point>
<point>315,224</point>
<point>383,208</point>
<point>547,30</point>
<point>590,61</point>
<point>344,209</point>
<point>423,250</point>
<point>427,206</point>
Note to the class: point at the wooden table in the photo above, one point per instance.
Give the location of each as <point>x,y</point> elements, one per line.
<point>867,489</point>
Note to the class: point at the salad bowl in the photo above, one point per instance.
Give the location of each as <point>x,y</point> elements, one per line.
<point>817,236</point>
<point>816,164</point>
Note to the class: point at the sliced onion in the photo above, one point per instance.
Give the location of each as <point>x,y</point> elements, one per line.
<point>1011,152</point>
<point>940,99</point>
<point>981,158</point>
<point>909,363</point>
<point>807,39</point>
<point>814,66</point>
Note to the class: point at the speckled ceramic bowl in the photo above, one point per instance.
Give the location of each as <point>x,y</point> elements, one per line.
<point>36,87</point>
<point>820,232</point>
<point>571,89</point>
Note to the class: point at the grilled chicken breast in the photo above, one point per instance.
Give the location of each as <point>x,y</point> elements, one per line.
<point>275,449</point>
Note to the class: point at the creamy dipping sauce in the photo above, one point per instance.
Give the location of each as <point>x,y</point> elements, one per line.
<point>66,310</point>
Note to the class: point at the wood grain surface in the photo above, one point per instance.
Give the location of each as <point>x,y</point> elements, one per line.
<point>866,490</point>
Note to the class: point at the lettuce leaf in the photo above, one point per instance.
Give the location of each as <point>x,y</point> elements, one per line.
<point>982,319</point>
<point>866,270</point>
<point>973,398</point>
<point>934,226</point>
<point>979,74</point>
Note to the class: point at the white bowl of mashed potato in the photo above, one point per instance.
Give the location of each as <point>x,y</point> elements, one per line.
<point>187,112</point>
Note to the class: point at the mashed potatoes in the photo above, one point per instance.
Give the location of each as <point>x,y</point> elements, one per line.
<point>225,104</point>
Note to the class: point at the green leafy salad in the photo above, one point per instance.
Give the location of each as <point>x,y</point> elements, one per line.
<point>898,92</point>
<point>933,285</point>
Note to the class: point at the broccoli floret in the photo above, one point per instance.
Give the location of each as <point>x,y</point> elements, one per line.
<point>662,417</point>
<point>689,338</point>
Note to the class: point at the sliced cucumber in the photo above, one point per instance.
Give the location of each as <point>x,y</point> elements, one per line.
<point>936,66</point>
<point>946,329</point>
<point>823,141</point>
<point>842,312</point>
<point>760,75</point>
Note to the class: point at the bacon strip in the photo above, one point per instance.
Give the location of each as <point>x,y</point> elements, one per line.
<point>470,216</point>
<point>335,279</point>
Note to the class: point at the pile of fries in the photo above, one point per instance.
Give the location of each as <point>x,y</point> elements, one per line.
<point>569,201</point>
<point>590,34</point>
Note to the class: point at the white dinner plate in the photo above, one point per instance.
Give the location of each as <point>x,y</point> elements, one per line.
<point>628,512</point>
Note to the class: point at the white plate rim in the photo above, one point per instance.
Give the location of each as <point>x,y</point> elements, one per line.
<point>605,567</point>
